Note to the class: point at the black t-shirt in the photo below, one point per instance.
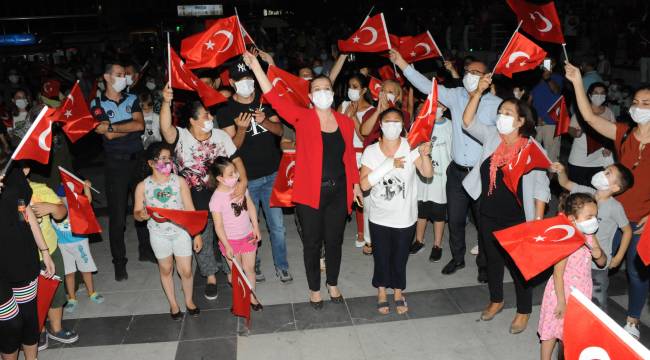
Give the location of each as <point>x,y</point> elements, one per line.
<point>502,203</point>
<point>260,151</point>
<point>333,149</point>
<point>18,251</point>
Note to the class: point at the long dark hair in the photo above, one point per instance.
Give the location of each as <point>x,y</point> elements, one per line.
<point>190,110</point>
<point>364,82</point>
<point>523,110</point>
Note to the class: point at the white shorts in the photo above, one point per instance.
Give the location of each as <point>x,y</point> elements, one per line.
<point>177,244</point>
<point>77,256</point>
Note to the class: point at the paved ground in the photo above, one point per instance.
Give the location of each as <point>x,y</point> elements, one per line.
<point>442,323</point>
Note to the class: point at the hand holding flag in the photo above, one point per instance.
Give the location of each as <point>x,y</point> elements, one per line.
<point>75,115</point>
<point>423,126</point>
<point>82,217</point>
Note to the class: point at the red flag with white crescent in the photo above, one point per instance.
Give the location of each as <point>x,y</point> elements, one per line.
<point>537,245</point>
<point>80,212</point>
<point>416,48</point>
<point>371,37</point>
<point>214,46</point>
<point>183,78</point>
<point>539,20</point>
<point>531,157</point>
<point>37,142</point>
<point>374,87</point>
<point>241,293</point>
<point>75,115</point>
<point>521,54</point>
<point>559,113</point>
<point>293,87</point>
<point>423,126</point>
<point>191,221</point>
<point>589,333</point>
<point>281,195</point>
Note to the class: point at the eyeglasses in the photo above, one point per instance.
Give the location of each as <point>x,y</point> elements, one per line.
<point>475,72</point>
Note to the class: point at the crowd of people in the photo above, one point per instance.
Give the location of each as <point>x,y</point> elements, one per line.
<point>165,149</point>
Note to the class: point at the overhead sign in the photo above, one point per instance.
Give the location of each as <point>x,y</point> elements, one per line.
<point>200,10</point>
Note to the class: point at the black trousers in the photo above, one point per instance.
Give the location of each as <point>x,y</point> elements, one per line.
<point>390,250</point>
<point>458,204</point>
<point>121,176</point>
<point>22,329</point>
<point>324,225</point>
<point>582,175</point>
<point>497,260</point>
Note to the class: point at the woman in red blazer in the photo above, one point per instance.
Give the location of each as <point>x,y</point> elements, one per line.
<point>326,177</point>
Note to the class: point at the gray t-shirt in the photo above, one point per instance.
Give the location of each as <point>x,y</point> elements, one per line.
<point>611,217</point>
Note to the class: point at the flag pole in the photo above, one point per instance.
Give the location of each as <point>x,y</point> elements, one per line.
<point>239,268</point>
<point>76,178</point>
<point>368,16</point>
<point>508,44</point>
<point>436,45</point>
<point>566,56</point>
<point>241,33</point>
<point>169,60</point>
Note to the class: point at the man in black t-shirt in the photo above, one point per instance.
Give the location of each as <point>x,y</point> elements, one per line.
<point>256,132</point>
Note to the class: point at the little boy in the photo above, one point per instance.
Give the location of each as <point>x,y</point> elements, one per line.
<point>613,180</point>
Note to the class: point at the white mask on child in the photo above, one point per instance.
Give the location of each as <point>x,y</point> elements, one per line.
<point>588,227</point>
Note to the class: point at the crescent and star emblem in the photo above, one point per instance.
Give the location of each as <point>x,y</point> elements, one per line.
<point>547,23</point>
<point>515,55</point>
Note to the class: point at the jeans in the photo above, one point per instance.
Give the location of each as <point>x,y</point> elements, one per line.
<point>209,259</point>
<point>260,191</point>
<point>390,250</point>
<point>637,273</point>
<point>600,279</point>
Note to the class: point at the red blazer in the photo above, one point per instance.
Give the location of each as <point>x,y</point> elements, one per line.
<point>309,150</point>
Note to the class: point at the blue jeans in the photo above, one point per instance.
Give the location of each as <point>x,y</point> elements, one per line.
<point>638,276</point>
<point>260,191</point>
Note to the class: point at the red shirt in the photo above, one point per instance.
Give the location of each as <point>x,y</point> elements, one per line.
<point>635,200</point>
<point>309,150</point>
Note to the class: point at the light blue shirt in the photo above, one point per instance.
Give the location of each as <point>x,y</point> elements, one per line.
<point>465,150</point>
<point>589,78</point>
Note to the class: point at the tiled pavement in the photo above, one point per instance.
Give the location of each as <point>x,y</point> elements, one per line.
<point>134,321</point>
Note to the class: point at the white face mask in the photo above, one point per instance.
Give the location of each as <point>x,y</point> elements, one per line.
<point>588,227</point>
<point>14,79</point>
<point>470,82</point>
<point>21,103</point>
<point>151,85</point>
<point>390,97</point>
<point>439,112</point>
<point>245,88</point>
<point>599,181</point>
<point>598,99</point>
<point>391,130</point>
<point>505,124</point>
<point>322,98</point>
<point>119,84</point>
<point>518,94</point>
<point>354,94</point>
<point>639,115</point>
<point>148,116</point>
<point>308,78</point>
<point>208,126</point>
<point>129,80</point>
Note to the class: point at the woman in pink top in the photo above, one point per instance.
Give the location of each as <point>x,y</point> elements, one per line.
<point>235,221</point>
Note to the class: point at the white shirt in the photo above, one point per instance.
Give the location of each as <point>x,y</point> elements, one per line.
<point>393,201</point>
<point>151,129</point>
<point>435,189</point>
<point>578,155</point>
<point>356,140</point>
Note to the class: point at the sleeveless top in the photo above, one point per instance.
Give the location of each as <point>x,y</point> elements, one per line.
<point>167,196</point>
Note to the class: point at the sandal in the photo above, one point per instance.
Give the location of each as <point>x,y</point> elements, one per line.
<point>383,305</point>
<point>401,303</point>
<point>367,249</point>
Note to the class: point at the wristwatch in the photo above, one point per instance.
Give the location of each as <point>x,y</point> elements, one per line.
<point>110,127</point>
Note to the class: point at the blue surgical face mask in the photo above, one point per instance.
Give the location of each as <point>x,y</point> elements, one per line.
<point>318,70</point>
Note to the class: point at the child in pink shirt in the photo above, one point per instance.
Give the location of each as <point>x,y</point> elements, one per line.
<point>235,221</point>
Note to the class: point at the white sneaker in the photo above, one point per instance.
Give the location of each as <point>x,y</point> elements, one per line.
<point>357,243</point>
<point>633,329</point>
<point>474,250</point>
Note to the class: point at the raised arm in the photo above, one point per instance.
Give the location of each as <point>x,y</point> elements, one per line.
<point>600,124</point>
<point>336,69</point>
<point>419,81</point>
<point>562,177</point>
<point>474,99</point>
<point>168,131</point>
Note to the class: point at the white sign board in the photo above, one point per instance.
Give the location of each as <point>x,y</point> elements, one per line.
<point>200,10</point>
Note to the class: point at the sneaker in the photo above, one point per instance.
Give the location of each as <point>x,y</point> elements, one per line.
<point>359,242</point>
<point>633,329</point>
<point>96,297</point>
<point>436,254</point>
<point>259,277</point>
<point>71,306</point>
<point>284,275</point>
<point>474,250</point>
<point>64,336</point>
<point>43,343</point>
<point>211,291</point>
<point>416,247</point>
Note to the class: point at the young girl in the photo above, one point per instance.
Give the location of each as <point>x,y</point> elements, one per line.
<point>574,270</point>
<point>235,222</point>
<point>169,242</point>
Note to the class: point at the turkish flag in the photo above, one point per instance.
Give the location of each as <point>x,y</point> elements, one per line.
<point>423,126</point>
<point>375,87</point>
<point>183,78</point>
<point>36,143</point>
<point>531,157</point>
<point>387,72</point>
<point>283,187</point>
<point>537,245</point>
<point>241,293</point>
<point>82,217</point>
<point>539,20</point>
<point>416,48</point>
<point>521,54</point>
<point>643,246</point>
<point>559,113</point>
<point>45,291</point>
<point>75,115</point>
<point>192,221</point>
<point>589,333</point>
<point>214,46</point>
<point>371,37</point>
<point>289,85</point>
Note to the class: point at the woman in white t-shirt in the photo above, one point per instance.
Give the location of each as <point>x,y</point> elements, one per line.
<point>432,194</point>
<point>388,171</point>
<point>355,108</point>
<point>20,116</point>
<point>584,165</point>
